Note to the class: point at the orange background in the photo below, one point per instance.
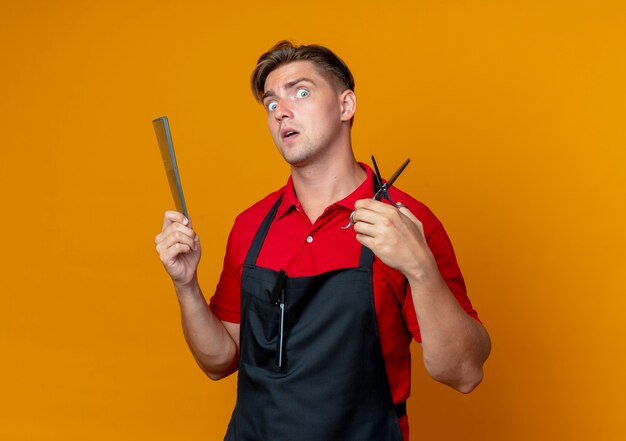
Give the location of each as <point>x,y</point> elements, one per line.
<point>514,116</point>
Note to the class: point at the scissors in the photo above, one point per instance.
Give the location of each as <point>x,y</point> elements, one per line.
<point>383,187</point>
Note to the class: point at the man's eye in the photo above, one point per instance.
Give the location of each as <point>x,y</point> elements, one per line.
<point>302,93</point>
<point>272,106</point>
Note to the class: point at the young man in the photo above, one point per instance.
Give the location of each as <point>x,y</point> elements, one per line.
<point>318,319</point>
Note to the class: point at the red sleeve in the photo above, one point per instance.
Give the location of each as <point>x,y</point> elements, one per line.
<point>225,303</point>
<point>442,250</point>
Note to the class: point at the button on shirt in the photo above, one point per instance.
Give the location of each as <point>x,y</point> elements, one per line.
<point>302,248</point>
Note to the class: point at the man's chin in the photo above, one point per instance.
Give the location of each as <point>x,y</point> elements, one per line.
<point>295,160</point>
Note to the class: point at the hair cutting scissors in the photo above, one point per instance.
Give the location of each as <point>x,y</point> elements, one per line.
<point>383,187</point>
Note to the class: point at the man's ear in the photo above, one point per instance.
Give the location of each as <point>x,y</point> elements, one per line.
<point>348,104</point>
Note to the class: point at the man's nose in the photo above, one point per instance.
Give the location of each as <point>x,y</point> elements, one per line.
<point>283,110</point>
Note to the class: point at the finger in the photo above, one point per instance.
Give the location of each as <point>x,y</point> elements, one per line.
<point>168,257</point>
<point>374,205</point>
<point>174,216</point>
<point>174,238</point>
<point>408,213</point>
<point>416,222</point>
<point>173,235</point>
<point>178,227</point>
<point>175,226</point>
<point>366,229</point>
<point>376,213</point>
<point>365,215</point>
<point>370,242</point>
<point>364,240</point>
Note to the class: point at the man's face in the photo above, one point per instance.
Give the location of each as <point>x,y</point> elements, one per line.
<point>304,112</point>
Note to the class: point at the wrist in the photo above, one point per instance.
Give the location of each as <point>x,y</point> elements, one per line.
<point>425,273</point>
<point>187,289</point>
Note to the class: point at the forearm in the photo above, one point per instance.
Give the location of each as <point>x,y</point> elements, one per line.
<point>454,345</point>
<point>211,345</point>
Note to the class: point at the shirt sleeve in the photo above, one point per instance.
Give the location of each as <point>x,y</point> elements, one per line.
<point>441,247</point>
<point>225,303</point>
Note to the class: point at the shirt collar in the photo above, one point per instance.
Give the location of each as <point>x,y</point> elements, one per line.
<point>363,191</point>
<point>289,200</point>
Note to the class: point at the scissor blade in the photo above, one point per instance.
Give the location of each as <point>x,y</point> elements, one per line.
<point>380,193</point>
<point>379,178</point>
<point>397,173</point>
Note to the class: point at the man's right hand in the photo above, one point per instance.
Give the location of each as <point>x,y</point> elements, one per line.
<point>179,248</point>
<point>214,343</point>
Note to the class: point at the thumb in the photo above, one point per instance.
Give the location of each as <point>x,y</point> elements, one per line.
<point>405,210</point>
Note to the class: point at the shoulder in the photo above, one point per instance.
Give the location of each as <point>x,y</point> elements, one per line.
<point>428,219</point>
<point>256,212</point>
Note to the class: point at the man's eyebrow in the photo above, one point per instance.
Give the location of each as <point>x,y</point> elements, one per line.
<point>288,85</point>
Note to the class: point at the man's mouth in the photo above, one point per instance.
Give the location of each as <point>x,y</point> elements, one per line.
<point>288,133</point>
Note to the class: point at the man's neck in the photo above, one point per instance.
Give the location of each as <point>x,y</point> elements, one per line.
<point>322,183</point>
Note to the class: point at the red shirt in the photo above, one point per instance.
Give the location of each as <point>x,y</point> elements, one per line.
<point>305,249</point>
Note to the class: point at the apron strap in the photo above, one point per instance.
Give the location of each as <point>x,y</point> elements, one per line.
<point>259,237</point>
<point>367,258</point>
<point>400,409</point>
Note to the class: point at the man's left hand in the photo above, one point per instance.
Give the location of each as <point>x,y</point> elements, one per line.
<point>395,236</point>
